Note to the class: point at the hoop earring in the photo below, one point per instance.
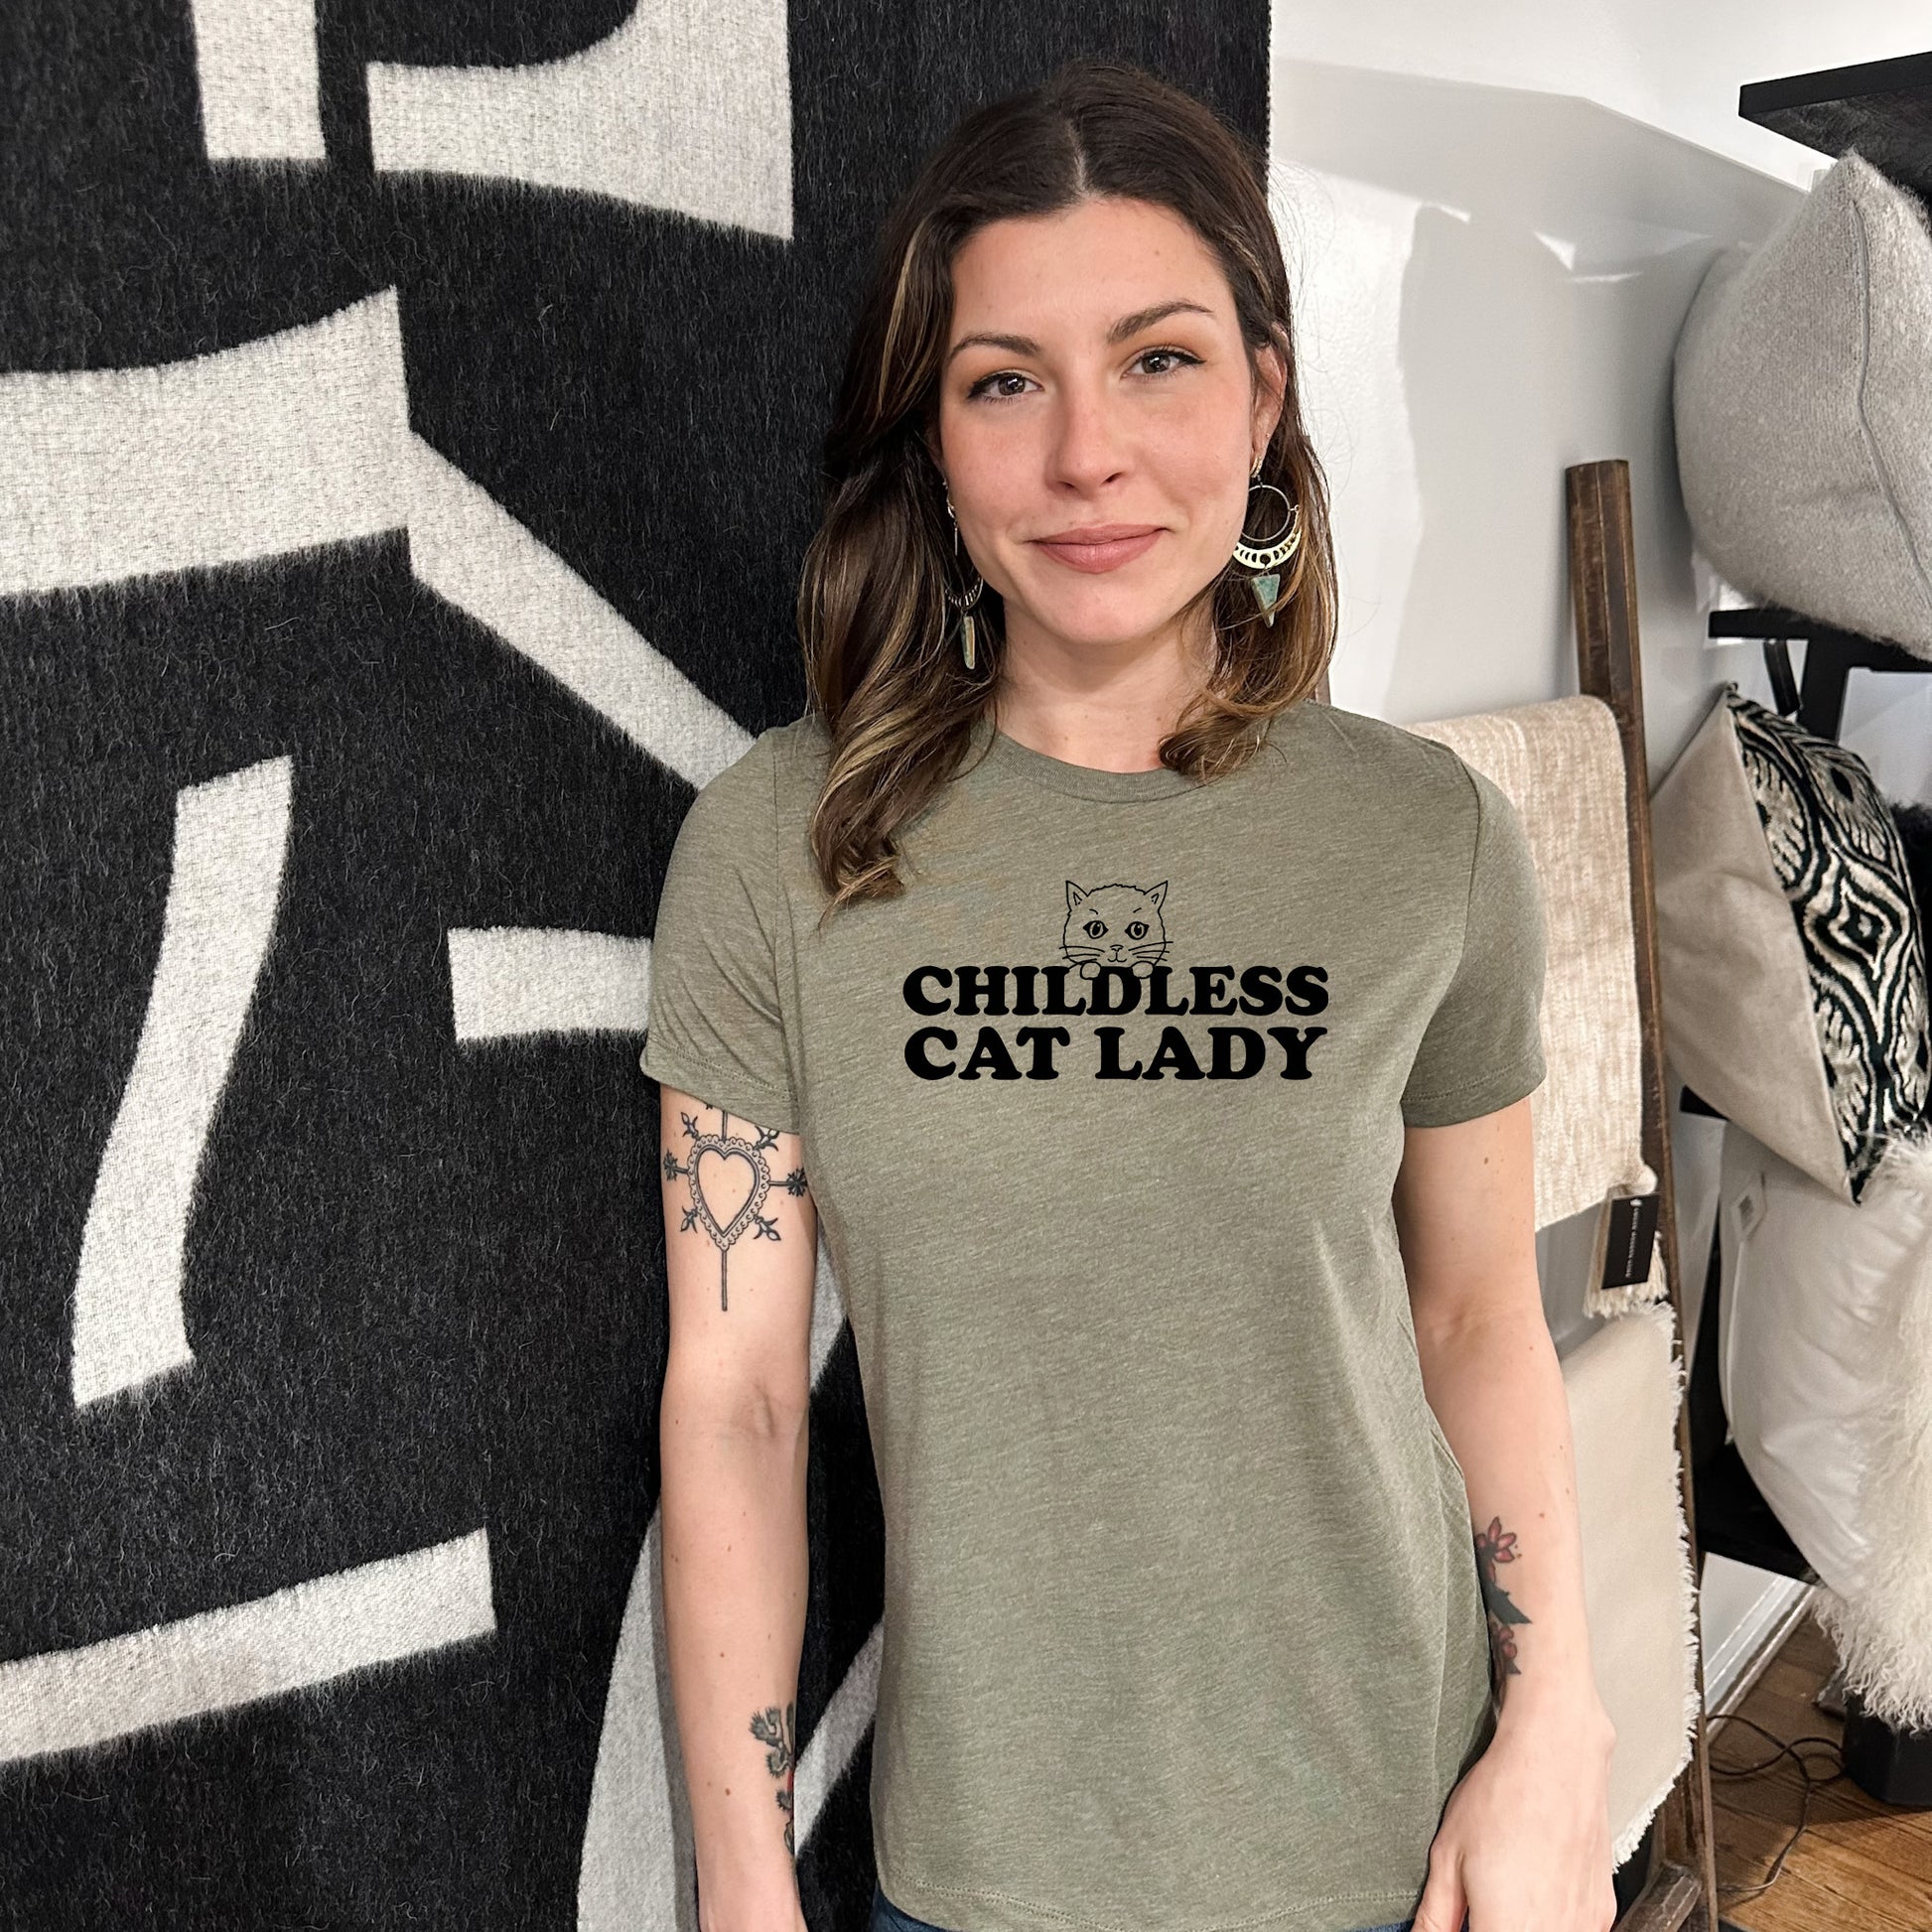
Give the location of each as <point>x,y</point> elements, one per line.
<point>964,603</point>
<point>1265,556</point>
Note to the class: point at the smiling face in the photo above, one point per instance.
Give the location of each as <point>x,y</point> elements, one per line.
<point>1098,419</point>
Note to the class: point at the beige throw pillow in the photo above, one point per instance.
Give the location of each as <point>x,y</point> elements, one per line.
<point>1793,968</point>
<point>1803,391</point>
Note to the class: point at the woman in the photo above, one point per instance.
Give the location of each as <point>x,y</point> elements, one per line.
<point>1152,1042</point>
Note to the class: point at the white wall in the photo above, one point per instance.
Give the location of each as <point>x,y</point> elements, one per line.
<point>1669,65</point>
<point>1491,281</point>
<point>1496,216</point>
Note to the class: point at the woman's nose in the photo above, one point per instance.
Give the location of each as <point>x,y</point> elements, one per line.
<point>1087,448</point>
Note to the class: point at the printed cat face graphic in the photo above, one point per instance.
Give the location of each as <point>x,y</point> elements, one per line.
<point>1115,925</point>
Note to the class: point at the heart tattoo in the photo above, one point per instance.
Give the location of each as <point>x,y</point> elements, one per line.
<point>724,1147</point>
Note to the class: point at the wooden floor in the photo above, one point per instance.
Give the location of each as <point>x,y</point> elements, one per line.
<point>1861,1866</point>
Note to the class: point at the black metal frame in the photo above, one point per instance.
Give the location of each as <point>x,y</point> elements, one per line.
<point>1831,656</point>
<point>1884,109</point>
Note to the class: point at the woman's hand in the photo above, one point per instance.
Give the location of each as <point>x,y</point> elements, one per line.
<point>1524,1843</point>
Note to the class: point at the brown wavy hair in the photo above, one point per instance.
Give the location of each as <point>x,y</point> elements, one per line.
<point>882,667</point>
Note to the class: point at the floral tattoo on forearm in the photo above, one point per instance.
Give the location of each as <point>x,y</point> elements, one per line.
<point>1494,1546</point>
<point>769,1728</point>
<point>727,1146</point>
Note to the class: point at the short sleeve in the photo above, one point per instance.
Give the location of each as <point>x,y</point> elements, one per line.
<point>715,1023</point>
<point>1483,1047</point>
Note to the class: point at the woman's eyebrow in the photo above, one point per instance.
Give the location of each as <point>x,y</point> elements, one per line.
<point>1147,317</point>
<point>1127,326</point>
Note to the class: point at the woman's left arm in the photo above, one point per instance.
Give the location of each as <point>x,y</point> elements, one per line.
<point>1523,1845</point>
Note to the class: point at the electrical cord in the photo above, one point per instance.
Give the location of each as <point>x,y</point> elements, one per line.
<point>1811,1783</point>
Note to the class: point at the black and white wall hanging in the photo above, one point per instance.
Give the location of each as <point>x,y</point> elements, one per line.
<point>408,436</point>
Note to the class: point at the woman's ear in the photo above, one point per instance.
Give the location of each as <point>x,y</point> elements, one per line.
<point>1271,392</point>
<point>929,438</point>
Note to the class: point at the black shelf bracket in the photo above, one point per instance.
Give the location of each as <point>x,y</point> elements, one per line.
<point>1831,655</point>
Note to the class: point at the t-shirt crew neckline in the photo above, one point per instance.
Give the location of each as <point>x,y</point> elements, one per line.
<point>1078,781</point>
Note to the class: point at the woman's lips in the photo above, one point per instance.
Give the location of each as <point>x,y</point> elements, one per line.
<point>1107,555</point>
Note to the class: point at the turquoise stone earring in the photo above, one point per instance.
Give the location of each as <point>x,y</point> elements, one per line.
<point>963,603</point>
<point>1265,556</point>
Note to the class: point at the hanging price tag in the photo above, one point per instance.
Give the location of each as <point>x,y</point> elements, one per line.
<point>1630,1234</point>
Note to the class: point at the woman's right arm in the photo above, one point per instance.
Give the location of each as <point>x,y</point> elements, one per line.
<point>741,1240</point>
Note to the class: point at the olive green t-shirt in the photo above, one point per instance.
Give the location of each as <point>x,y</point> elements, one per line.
<point>1182,1623</point>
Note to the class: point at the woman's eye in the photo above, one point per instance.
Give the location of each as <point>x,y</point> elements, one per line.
<point>984,386</point>
<point>995,385</point>
<point>1179,356</point>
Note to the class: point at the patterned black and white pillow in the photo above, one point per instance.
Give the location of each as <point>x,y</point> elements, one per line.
<point>1838,855</point>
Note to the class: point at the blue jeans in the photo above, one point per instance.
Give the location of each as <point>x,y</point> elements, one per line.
<point>887,1917</point>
